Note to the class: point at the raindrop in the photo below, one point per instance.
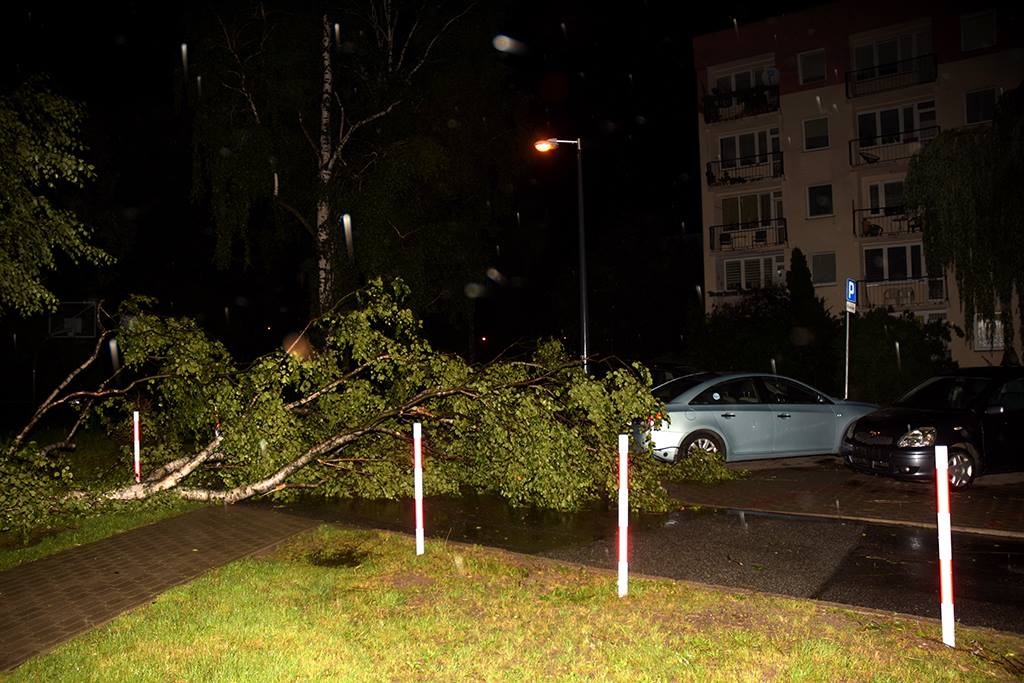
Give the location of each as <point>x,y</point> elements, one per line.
<point>495,274</point>
<point>474,290</point>
<point>184,59</point>
<point>565,32</point>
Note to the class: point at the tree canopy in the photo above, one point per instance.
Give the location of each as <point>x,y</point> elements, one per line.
<point>333,413</point>
<point>966,186</point>
<point>40,157</point>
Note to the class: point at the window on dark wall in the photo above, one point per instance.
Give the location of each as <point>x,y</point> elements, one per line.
<point>823,268</point>
<point>816,134</point>
<point>811,67</point>
<point>978,30</point>
<point>981,105</point>
<point>819,200</point>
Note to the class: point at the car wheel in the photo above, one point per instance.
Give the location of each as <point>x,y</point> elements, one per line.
<point>961,469</point>
<point>702,441</point>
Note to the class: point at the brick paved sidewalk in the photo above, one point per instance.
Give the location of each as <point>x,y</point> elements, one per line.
<point>49,601</point>
<point>823,487</point>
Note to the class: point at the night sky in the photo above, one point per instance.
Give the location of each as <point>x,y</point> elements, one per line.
<point>620,79</point>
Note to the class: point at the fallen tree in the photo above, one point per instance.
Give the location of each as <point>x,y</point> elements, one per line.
<point>335,418</point>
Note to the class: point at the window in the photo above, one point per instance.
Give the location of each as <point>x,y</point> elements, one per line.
<point>729,393</point>
<point>988,334</point>
<point>753,273</point>
<point>784,391</point>
<point>981,105</point>
<point>815,134</point>
<point>819,200</point>
<point>747,149</point>
<point>900,262</point>
<point>812,67</point>
<point>977,31</point>
<point>891,55</point>
<point>823,268</point>
<point>886,198</point>
<point>908,123</point>
<point>751,209</point>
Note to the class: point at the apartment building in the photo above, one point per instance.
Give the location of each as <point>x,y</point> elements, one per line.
<point>807,123</point>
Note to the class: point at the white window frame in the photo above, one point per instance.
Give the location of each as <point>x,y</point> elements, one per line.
<point>975,15</point>
<point>884,248</point>
<point>775,206</point>
<point>800,66</point>
<point>828,133</point>
<point>916,50</point>
<point>917,108</point>
<point>883,201</point>
<point>835,269</point>
<point>807,200</point>
<point>772,139</point>
<point>764,279</point>
<point>995,99</point>
<point>996,342</point>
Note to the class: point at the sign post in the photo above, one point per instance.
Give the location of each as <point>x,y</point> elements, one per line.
<point>944,524</point>
<point>417,454</point>
<point>851,307</point>
<point>138,465</point>
<point>623,514</point>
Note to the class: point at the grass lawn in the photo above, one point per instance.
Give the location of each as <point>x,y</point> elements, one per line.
<point>344,604</point>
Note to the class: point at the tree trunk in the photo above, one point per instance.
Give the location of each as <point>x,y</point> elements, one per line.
<point>324,243</point>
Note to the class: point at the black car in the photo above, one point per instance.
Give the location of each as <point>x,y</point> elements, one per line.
<point>978,413</point>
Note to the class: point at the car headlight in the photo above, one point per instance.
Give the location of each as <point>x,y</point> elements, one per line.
<point>917,438</point>
<point>849,431</point>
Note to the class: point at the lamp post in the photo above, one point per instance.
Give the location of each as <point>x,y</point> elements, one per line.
<point>546,146</point>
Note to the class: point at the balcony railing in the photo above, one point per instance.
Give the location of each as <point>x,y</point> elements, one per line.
<point>749,235</point>
<point>891,76</point>
<point>735,105</point>
<point>745,169</point>
<point>900,295</point>
<point>883,147</point>
<point>885,221</point>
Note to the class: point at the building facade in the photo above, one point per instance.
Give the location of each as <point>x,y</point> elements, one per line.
<point>807,123</point>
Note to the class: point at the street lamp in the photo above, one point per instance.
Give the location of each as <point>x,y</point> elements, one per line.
<point>546,146</point>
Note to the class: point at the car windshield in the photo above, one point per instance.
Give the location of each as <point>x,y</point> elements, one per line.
<point>947,393</point>
<point>669,390</point>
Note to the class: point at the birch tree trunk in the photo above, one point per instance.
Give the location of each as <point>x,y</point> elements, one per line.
<point>324,243</point>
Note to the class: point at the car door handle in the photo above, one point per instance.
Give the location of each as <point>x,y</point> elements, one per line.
<point>785,416</point>
<point>728,416</point>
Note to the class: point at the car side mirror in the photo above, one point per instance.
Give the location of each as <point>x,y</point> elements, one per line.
<point>995,410</point>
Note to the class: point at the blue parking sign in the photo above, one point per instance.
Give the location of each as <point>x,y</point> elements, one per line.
<point>851,290</point>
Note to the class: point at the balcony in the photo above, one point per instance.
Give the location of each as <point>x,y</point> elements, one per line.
<point>736,105</point>
<point>748,236</point>
<point>891,76</point>
<point>885,221</point>
<point>744,169</point>
<point>901,295</point>
<point>884,147</point>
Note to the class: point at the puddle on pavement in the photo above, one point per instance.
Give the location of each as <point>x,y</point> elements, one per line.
<point>486,520</point>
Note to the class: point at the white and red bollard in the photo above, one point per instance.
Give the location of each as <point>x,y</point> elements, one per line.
<point>417,461</point>
<point>623,514</point>
<point>138,465</point>
<point>945,544</point>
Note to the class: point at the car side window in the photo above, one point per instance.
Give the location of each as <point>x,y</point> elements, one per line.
<point>1011,395</point>
<point>783,391</point>
<point>734,392</point>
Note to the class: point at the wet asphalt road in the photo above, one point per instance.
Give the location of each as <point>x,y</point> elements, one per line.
<point>882,567</point>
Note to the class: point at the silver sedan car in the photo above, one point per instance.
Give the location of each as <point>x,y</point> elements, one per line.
<point>748,416</point>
